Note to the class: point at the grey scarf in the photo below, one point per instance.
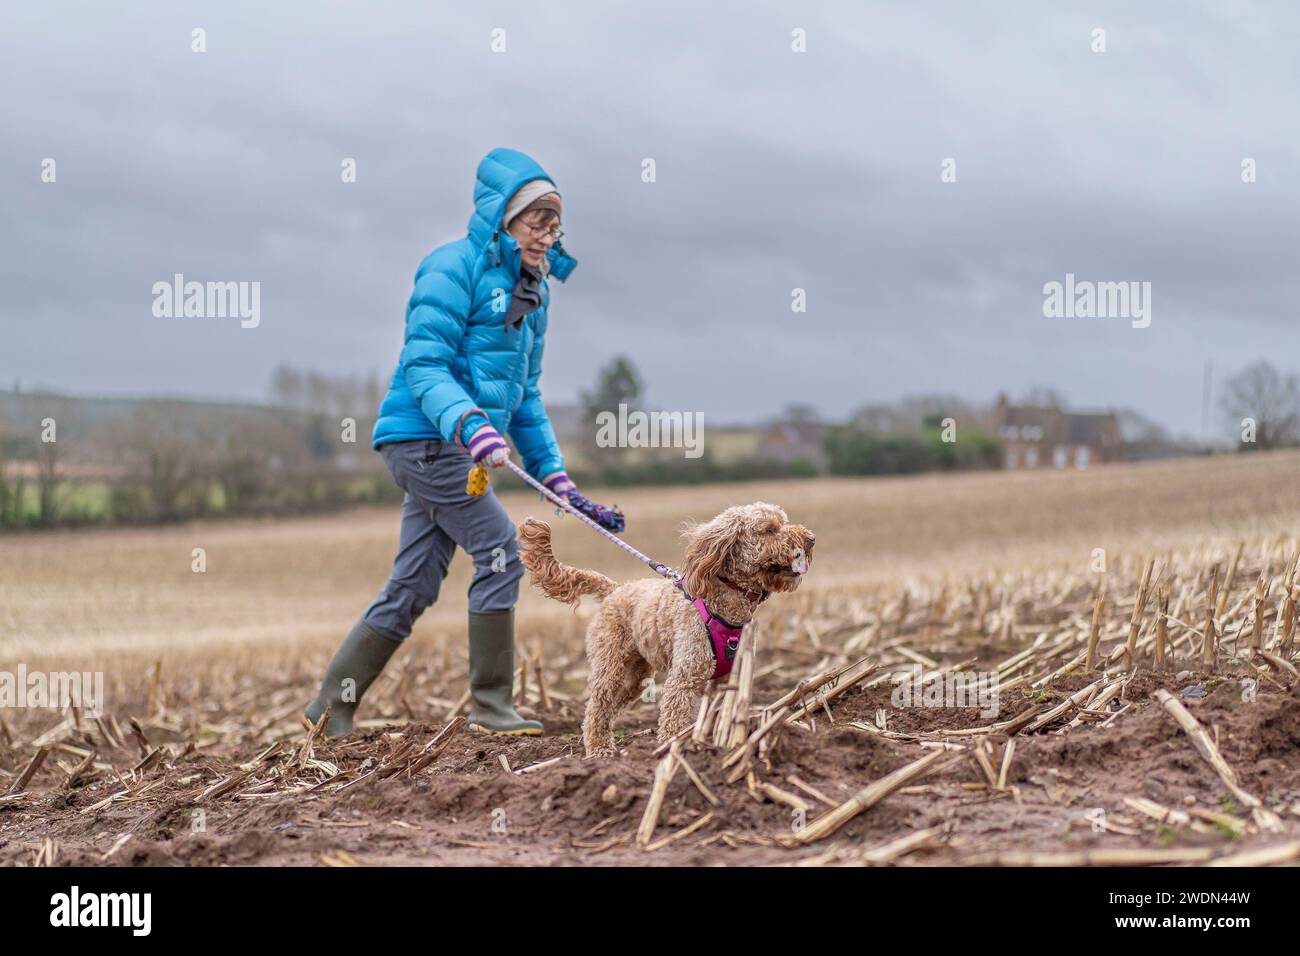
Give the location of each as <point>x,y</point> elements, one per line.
<point>526,297</point>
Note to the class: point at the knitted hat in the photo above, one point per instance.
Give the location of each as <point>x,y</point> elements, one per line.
<point>534,194</point>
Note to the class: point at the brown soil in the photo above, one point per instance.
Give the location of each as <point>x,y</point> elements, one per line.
<point>467,809</point>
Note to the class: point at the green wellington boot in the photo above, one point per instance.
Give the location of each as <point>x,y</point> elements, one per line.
<point>356,664</point>
<point>492,675</point>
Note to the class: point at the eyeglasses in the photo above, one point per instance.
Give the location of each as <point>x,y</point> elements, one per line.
<point>555,232</point>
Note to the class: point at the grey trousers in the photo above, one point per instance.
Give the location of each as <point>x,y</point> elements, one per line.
<point>437,515</point>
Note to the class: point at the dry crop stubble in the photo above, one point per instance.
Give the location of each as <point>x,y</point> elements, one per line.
<point>803,757</point>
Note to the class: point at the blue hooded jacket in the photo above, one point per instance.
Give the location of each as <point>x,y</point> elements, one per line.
<point>458,353</point>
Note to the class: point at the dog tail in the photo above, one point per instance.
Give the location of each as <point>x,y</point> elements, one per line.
<point>556,580</point>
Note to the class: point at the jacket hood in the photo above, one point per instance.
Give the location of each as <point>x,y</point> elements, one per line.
<point>500,174</point>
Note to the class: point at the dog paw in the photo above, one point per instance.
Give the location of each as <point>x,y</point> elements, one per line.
<point>601,753</point>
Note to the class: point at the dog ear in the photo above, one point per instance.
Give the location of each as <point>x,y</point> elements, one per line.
<point>709,545</point>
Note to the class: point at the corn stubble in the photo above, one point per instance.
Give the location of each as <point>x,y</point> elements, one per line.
<point>1075,652</point>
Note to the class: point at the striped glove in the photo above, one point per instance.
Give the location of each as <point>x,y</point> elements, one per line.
<point>611,519</point>
<point>559,483</point>
<point>487,446</point>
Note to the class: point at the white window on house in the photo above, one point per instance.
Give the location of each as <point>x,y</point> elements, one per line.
<point>1031,457</point>
<point>1060,456</point>
<point>1011,458</point>
<point>1082,456</point>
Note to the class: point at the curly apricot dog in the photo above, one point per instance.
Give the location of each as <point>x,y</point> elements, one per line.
<point>733,562</point>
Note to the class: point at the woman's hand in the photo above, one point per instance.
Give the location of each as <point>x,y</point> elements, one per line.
<point>486,446</point>
<point>609,518</point>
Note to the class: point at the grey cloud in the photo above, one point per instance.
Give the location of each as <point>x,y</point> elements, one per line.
<point>775,171</point>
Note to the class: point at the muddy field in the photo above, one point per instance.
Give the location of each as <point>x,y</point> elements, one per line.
<point>807,755</point>
<point>468,809</point>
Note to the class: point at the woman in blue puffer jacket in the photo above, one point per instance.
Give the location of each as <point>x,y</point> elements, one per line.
<point>468,373</point>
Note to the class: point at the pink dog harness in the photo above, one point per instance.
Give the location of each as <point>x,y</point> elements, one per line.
<point>724,637</point>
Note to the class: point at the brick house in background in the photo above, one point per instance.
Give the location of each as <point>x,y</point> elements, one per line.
<point>1038,436</point>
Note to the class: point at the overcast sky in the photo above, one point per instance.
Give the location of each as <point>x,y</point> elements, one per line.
<point>776,170</point>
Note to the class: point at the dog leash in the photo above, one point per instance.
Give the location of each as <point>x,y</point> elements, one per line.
<point>477,486</point>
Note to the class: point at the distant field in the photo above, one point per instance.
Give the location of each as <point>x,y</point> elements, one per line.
<point>304,580</point>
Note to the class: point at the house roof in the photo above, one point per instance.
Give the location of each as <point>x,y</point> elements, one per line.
<point>1032,415</point>
<point>1053,426</point>
<point>1091,428</point>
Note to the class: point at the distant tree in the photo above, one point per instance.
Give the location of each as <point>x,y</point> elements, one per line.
<point>373,390</point>
<point>799,413</point>
<point>618,383</point>
<point>287,387</point>
<point>164,466</point>
<point>47,483</point>
<point>322,402</point>
<point>48,456</point>
<point>1271,399</point>
<point>1141,438</point>
<point>1043,396</point>
<point>263,464</point>
<point>852,451</point>
<point>11,492</point>
<point>874,419</point>
<point>913,414</point>
<point>317,391</point>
